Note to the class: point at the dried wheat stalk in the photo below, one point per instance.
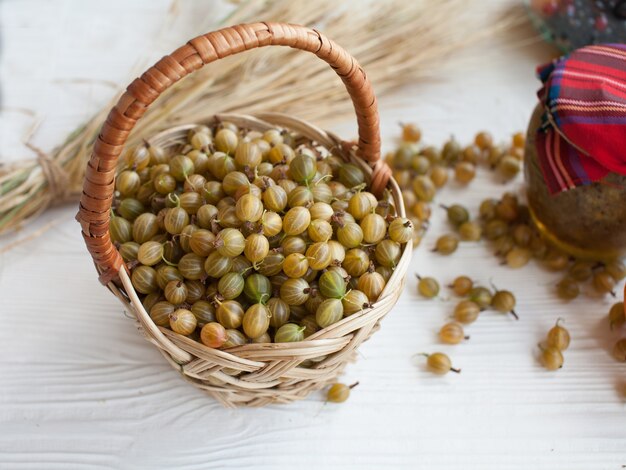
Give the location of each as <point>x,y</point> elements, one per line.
<point>397,42</point>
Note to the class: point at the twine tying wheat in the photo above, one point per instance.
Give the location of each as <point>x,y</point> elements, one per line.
<point>57,178</point>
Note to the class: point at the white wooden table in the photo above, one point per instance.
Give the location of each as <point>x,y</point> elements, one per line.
<point>79,387</point>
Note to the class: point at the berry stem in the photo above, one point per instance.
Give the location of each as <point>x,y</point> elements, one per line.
<point>169,263</point>
<point>515,315</point>
<point>456,371</point>
<point>353,385</point>
<point>598,265</point>
<point>174,197</point>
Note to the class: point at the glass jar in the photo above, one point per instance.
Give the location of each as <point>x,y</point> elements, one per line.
<point>588,221</point>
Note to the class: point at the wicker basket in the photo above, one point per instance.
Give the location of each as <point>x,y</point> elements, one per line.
<point>252,374</point>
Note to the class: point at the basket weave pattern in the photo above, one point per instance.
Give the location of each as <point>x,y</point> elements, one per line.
<point>252,374</point>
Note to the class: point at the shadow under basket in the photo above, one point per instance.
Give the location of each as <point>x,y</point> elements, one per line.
<point>254,374</point>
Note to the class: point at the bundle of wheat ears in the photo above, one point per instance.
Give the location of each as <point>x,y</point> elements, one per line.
<point>397,43</point>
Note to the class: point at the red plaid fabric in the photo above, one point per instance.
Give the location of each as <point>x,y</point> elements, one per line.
<point>583,131</point>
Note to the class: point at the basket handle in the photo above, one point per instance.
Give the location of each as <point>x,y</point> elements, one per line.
<point>98,186</point>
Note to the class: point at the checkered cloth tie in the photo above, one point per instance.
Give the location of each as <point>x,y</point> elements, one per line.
<point>583,133</point>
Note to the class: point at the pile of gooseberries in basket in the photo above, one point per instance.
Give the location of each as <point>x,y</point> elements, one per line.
<point>239,236</point>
